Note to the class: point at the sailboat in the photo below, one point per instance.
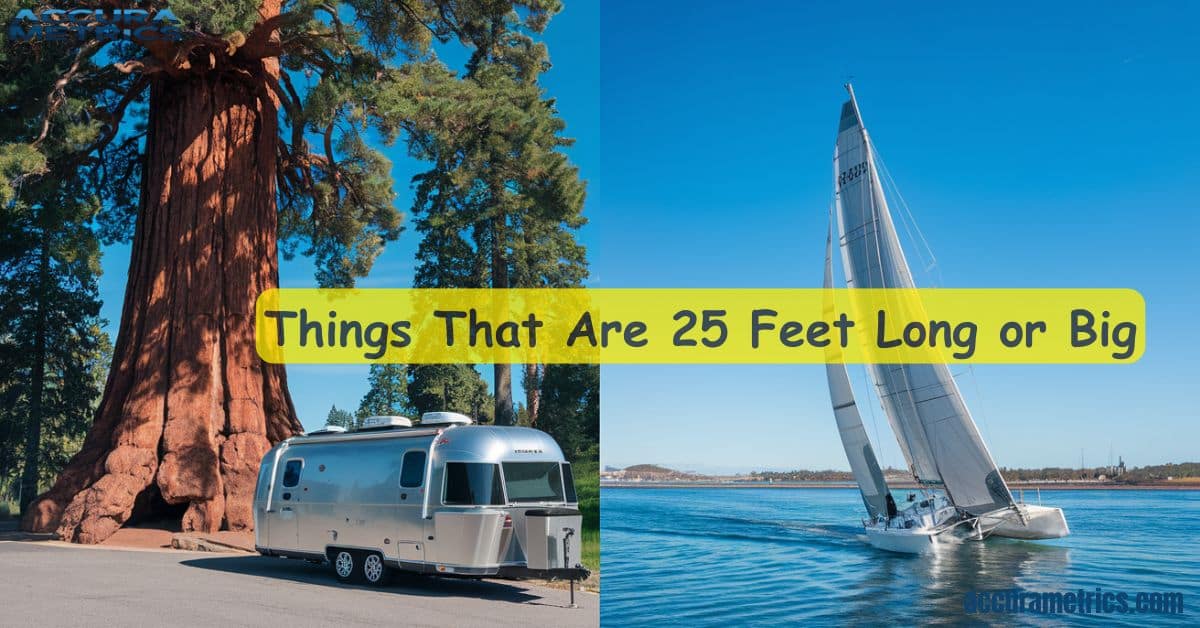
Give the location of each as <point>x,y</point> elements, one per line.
<point>961,495</point>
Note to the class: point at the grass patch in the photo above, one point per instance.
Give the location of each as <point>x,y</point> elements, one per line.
<point>587,489</point>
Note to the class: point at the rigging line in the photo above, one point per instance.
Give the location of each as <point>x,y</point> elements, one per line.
<point>904,205</point>
<point>926,263</point>
<point>931,269</point>
<point>979,403</point>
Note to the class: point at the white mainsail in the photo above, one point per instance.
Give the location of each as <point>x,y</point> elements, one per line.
<point>863,464</point>
<point>932,424</point>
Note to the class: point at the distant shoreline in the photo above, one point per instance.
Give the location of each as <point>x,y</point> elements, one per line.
<point>1061,486</point>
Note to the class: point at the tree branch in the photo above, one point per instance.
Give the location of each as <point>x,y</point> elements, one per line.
<point>261,42</point>
<point>118,113</point>
<point>55,98</point>
<point>416,18</point>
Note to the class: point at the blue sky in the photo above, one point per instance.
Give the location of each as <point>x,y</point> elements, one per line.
<point>1050,146</point>
<point>1046,146</point>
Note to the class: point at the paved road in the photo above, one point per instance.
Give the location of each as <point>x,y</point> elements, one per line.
<point>43,584</point>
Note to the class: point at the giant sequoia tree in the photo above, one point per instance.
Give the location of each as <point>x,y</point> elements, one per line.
<point>250,136</point>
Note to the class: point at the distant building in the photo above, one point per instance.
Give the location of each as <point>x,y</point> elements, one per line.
<point>1118,470</point>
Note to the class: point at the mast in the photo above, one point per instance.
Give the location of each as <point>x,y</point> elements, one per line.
<point>923,404</point>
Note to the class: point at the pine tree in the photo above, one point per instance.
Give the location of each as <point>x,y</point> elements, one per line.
<point>571,408</point>
<point>52,349</point>
<point>342,418</point>
<point>450,388</point>
<point>388,392</point>
<point>501,203</point>
<point>250,137</point>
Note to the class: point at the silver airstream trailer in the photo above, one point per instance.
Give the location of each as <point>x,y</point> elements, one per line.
<point>443,497</point>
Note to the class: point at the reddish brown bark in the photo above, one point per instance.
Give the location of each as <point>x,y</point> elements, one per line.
<point>533,391</point>
<point>189,408</point>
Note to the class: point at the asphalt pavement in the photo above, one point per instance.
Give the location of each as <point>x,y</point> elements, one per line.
<point>54,584</point>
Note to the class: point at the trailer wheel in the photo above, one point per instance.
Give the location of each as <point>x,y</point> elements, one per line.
<point>345,563</point>
<point>374,572</point>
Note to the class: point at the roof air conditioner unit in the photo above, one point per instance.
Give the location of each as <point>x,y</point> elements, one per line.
<point>384,422</point>
<point>445,418</point>
<point>328,429</point>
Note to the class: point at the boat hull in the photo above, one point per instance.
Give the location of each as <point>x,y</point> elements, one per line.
<point>930,532</point>
<point>913,541</point>
<point>1041,522</point>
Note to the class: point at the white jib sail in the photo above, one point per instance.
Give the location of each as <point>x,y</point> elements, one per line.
<point>933,426</point>
<point>863,464</point>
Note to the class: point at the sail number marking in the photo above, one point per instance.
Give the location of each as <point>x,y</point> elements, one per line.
<point>852,173</point>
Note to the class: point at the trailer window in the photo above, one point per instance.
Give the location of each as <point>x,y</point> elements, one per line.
<point>291,473</point>
<point>473,484</point>
<point>412,473</point>
<point>569,482</point>
<point>533,482</point>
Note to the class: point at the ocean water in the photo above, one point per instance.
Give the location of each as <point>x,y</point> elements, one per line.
<point>774,556</point>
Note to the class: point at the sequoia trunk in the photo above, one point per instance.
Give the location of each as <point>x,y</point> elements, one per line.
<point>189,408</point>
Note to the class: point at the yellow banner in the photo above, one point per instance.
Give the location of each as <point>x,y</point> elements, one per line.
<point>710,326</point>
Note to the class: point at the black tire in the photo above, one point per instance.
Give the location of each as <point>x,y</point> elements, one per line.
<point>373,570</point>
<point>346,564</point>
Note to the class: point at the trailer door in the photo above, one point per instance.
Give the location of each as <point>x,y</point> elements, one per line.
<point>285,529</point>
<point>410,535</point>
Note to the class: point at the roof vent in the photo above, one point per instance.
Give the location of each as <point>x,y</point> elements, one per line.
<point>445,418</point>
<point>384,422</point>
<point>328,429</point>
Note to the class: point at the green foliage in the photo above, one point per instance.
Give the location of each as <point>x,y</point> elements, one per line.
<point>452,388</point>
<point>388,392</point>
<point>345,90</point>
<point>48,289</point>
<point>1134,475</point>
<point>50,200</point>
<point>337,201</point>
<point>216,17</point>
<point>400,390</point>
<point>570,410</point>
<point>342,418</point>
<point>501,203</point>
<point>587,489</point>
<point>17,161</point>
